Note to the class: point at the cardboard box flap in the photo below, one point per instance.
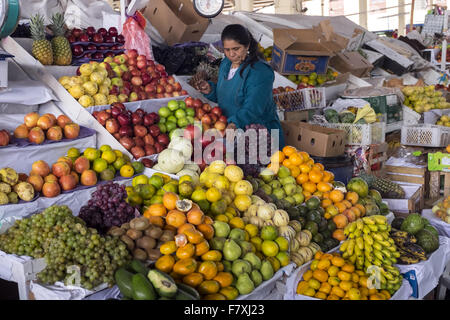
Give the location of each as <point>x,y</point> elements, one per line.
<point>334,41</point>
<point>300,41</point>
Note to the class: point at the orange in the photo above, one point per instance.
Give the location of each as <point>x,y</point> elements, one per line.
<point>175,218</point>
<point>208,287</point>
<point>208,269</point>
<point>302,178</point>
<point>169,200</point>
<point>326,203</point>
<point>318,255</point>
<point>325,287</point>
<point>157,209</point>
<point>193,280</point>
<point>340,220</point>
<point>338,292</point>
<point>295,171</point>
<point>336,196</point>
<point>349,268</point>
<point>296,159</point>
<point>287,163</point>
<point>328,176</point>
<point>304,155</point>
<point>165,263</point>
<point>288,150</point>
<point>355,278</point>
<point>319,166</point>
<point>344,276</point>
<point>338,234</point>
<point>304,168</point>
<point>347,203</point>
<point>324,186</point>
<point>184,227</point>
<point>309,187</point>
<point>323,264</point>
<point>301,286</point>
<point>224,279</point>
<point>212,255</point>
<point>310,162</point>
<point>207,230</point>
<point>326,195</point>
<point>341,207</point>
<point>187,251</point>
<point>185,266</point>
<point>337,261</point>
<point>220,266</point>
<point>315,176</point>
<point>201,248</point>
<point>356,211</point>
<point>307,275</point>
<point>320,295</point>
<point>352,197</point>
<point>327,256</point>
<point>168,247</point>
<point>345,285</point>
<point>277,157</point>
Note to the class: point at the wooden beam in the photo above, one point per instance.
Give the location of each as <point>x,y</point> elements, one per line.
<point>363,17</point>
<point>401,18</point>
<point>411,23</point>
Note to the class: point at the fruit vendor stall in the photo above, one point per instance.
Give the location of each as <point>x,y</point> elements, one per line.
<point>119,180</point>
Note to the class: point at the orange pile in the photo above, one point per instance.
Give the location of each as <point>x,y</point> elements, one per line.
<point>313,177</point>
<point>189,259</point>
<point>330,277</point>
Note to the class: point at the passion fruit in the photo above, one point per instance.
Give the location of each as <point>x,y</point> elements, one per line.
<point>184,205</point>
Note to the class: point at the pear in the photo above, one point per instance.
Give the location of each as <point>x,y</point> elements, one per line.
<point>256,277</point>
<point>266,270</point>
<point>221,229</point>
<point>254,260</point>
<point>231,250</point>
<point>237,234</point>
<point>244,284</point>
<point>241,266</point>
<point>246,247</point>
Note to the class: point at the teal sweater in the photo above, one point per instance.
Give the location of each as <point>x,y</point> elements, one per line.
<point>247,99</point>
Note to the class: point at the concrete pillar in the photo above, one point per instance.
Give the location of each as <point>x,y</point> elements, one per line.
<point>285,6</point>
<point>401,18</point>
<point>243,5</point>
<point>363,16</point>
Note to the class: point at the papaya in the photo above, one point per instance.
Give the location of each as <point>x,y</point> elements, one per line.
<point>138,267</point>
<point>189,290</point>
<point>123,281</point>
<point>142,288</point>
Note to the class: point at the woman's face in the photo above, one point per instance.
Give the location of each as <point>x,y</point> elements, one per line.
<point>235,51</point>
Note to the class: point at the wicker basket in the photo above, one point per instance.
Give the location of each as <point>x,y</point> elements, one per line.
<point>308,98</point>
<point>361,134</point>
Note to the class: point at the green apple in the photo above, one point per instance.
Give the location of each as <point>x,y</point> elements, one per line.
<point>164,112</point>
<point>284,172</point>
<point>289,189</point>
<point>279,193</point>
<point>173,105</point>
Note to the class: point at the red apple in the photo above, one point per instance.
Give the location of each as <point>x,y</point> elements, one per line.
<point>217,111</point>
<point>160,89</point>
<point>154,130</point>
<point>192,132</point>
<point>163,139</point>
<point>177,86</point>
<point>189,102</point>
<point>206,119</point>
<point>197,103</point>
<point>159,147</point>
<point>207,107</point>
<point>112,126</point>
<point>169,88</point>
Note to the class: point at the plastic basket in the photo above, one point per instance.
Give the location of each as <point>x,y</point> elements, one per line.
<point>361,134</point>
<point>425,135</point>
<point>308,98</point>
<point>410,117</point>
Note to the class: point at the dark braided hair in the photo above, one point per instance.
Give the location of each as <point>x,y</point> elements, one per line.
<point>241,35</point>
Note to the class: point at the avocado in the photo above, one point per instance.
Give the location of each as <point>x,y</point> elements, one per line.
<point>123,281</point>
<point>189,290</point>
<point>181,295</point>
<point>138,267</point>
<point>163,283</point>
<point>142,288</point>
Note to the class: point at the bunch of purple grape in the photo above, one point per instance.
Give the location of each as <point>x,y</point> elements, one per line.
<point>254,149</point>
<point>107,208</point>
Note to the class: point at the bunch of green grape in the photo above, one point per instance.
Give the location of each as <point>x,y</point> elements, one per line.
<point>74,253</point>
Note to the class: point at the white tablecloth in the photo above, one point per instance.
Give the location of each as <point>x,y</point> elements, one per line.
<point>441,226</point>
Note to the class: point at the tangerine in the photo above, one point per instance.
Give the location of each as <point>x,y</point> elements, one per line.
<point>302,178</point>
<point>340,220</point>
<point>341,207</point>
<point>328,176</point>
<point>209,287</point>
<point>201,248</point>
<point>304,168</point>
<point>165,263</point>
<point>287,163</point>
<point>186,251</point>
<point>175,218</point>
<point>185,266</point>
<point>195,216</point>
<point>324,186</point>
<point>207,230</point>
<point>156,221</point>
<point>352,197</point>
<point>338,234</point>
<point>336,196</point>
<point>295,171</point>
<point>296,159</point>
<point>169,200</point>
<point>326,203</point>
<point>224,279</point>
<point>319,166</point>
<point>315,176</point>
<point>184,227</point>
<point>309,187</point>
<point>347,203</point>
<point>193,280</point>
<point>208,269</point>
<point>157,209</point>
<point>289,150</point>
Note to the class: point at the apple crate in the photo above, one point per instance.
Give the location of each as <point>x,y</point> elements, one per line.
<point>425,135</point>
<point>361,134</point>
<point>302,99</point>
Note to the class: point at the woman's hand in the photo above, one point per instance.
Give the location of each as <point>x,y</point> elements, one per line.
<point>204,87</point>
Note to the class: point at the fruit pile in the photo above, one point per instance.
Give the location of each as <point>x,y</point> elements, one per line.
<point>312,80</point>
<point>57,51</point>
<point>5,137</point>
<point>441,210</point>
<point>414,237</point>
<point>279,90</point>
<point>37,128</point>
<point>302,249</point>
<point>423,99</point>
<point>370,244</point>
<point>14,187</point>
<point>143,238</point>
<point>365,115</point>
<point>139,132</point>
<point>123,78</point>
<point>209,117</point>
<point>331,277</point>
<point>66,243</point>
<point>95,44</point>
<point>85,169</point>
<point>267,52</point>
<point>137,282</point>
<point>443,121</point>
<point>107,208</point>
<point>177,114</point>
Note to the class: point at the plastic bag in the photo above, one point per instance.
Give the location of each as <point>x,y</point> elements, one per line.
<point>135,36</point>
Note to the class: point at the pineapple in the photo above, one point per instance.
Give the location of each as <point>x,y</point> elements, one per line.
<point>62,54</point>
<point>42,48</point>
<point>387,188</point>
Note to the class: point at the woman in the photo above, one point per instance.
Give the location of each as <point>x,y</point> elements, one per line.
<point>244,86</point>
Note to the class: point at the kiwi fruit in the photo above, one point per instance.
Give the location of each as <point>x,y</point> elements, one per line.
<point>154,231</point>
<point>125,226</point>
<point>134,234</point>
<point>139,254</point>
<point>140,224</point>
<point>153,254</point>
<point>128,241</point>
<point>167,235</point>
<point>117,232</point>
<point>146,243</point>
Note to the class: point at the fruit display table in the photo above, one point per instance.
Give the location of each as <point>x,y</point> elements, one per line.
<point>442,227</point>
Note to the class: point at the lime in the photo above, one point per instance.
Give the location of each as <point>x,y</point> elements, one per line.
<point>146,191</point>
<point>105,147</point>
<point>142,179</point>
<point>118,153</point>
<point>198,195</point>
<point>170,126</point>
<point>162,127</point>
<point>138,166</point>
<point>156,181</point>
<point>126,171</point>
<point>219,207</point>
<point>73,153</point>
<point>119,163</point>
<point>134,199</point>
<point>204,205</point>
<point>190,112</point>
<point>99,165</point>
<point>185,189</point>
<point>91,154</point>
<point>109,156</point>
<point>107,174</point>
<point>269,233</point>
<point>156,199</point>
<point>170,187</point>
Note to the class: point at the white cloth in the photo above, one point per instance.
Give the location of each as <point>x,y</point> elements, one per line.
<point>442,227</point>
<point>232,73</point>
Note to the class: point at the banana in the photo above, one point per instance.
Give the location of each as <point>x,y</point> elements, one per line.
<point>357,233</point>
<point>359,224</point>
<point>369,256</point>
<point>345,255</point>
<point>377,236</point>
<point>367,247</point>
<point>387,262</point>
<point>368,239</point>
<point>358,251</point>
<point>381,220</point>
<point>378,255</point>
<point>391,241</point>
<point>360,260</point>
<point>385,243</point>
<point>366,230</point>
<point>368,220</point>
<point>351,235</point>
<point>352,259</point>
<point>377,262</point>
<point>373,227</point>
<point>392,248</point>
<point>385,235</point>
<point>376,245</point>
<point>352,227</point>
<point>351,247</point>
<point>360,242</point>
<point>386,253</point>
<point>344,246</point>
<point>396,254</point>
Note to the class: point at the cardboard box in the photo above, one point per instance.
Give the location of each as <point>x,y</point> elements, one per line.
<point>313,139</point>
<point>393,61</point>
<point>411,204</point>
<point>176,20</point>
<point>352,62</point>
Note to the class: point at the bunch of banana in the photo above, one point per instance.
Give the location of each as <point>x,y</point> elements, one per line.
<point>385,278</point>
<point>410,252</point>
<point>369,244</point>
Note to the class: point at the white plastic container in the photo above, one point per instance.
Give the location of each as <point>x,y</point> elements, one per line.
<point>410,117</point>
<point>303,99</point>
<point>425,135</point>
<point>361,134</point>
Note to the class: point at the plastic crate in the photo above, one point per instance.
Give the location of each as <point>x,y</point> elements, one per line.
<point>308,98</point>
<point>425,135</point>
<point>361,134</point>
<point>410,117</point>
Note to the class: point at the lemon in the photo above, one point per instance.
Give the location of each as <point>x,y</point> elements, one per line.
<point>243,187</point>
<point>282,243</point>
<point>222,183</point>
<point>142,179</point>
<point>217,166</point>
<point>270,248</point>
<point>91,154</point>
<point>73,153</point>
<point>242,202</point>
<point>105,147</point>
<point>234,173</point>
<point>109,156</point>
<point>251,229</point>
<point>118,153</point>
<point>283,257</point>
<point>213,195</point>
<point>257,242</point>
<point>126,171</point>
<point>222,217</point>
<point>119,163</point>
<point>237,222</point>
<point>99,165</point>
<point>185,178</point>
<point>198,195</point>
